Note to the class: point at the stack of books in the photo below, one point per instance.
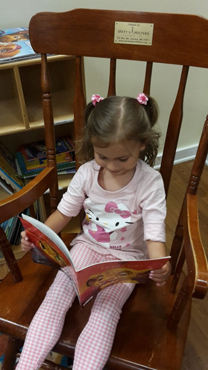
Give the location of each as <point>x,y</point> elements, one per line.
<point>31,158</point>
<point>9,178</point>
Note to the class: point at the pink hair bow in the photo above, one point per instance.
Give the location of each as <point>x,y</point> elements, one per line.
<point>142,99</point>
<point>96,98</point>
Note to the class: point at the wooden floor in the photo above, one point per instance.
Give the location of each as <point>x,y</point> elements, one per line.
<point>196,353</point>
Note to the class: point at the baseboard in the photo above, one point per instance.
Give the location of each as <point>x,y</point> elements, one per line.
<point>182,155</point>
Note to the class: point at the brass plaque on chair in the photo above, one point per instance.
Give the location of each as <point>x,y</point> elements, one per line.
<point>133,33</point>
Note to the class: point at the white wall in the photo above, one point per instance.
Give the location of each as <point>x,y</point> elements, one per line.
<point>18,13</point>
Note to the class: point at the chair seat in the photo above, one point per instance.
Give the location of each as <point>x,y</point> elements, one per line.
<point>23,296</point>
<point>145,314</point>
<point>142,330</point>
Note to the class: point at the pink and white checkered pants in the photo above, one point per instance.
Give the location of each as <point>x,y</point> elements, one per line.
<point>95,342</point>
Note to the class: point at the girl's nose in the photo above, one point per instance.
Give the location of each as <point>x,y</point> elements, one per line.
<point>112,166</point>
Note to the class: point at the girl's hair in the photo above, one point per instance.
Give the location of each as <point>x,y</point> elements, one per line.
<point>118,119</point>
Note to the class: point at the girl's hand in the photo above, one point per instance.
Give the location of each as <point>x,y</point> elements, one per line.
<point>26,245</point>
<point>160,276</point>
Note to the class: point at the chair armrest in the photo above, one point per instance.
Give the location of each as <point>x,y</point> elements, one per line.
<point>194,251</point>
<point>28,194</point>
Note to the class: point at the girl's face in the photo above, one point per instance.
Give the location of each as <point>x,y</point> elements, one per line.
<point>118,159</point>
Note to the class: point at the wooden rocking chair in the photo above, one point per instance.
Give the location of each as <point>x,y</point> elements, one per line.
<point>153,328</point>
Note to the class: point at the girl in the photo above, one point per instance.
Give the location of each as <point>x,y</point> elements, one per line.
<point>124,203</point>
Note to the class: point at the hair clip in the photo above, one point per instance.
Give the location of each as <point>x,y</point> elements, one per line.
<point>96,98</point>
<point>142,99</point>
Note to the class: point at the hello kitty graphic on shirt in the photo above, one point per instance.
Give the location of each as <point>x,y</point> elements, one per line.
<point>107,224</point>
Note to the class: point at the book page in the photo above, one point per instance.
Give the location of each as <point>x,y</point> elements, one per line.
<point>92,279</point>
<point>46,240</point>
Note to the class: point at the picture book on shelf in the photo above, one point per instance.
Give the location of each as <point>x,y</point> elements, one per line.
<point>90,280</point>
<point>31,158</point>
<point>10,180</point>
<point>4,185</point>
<point>15,45</point>
<point>37,149</point>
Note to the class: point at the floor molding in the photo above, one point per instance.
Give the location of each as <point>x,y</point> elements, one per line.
<point>182,155</point>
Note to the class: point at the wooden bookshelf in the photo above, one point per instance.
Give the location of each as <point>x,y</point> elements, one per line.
<point>21,117</point>
<point>20,94</point>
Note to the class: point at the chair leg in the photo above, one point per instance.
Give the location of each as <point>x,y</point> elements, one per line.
<point>178,271</point>
<point>177,240</point>
<point>179,306</point>
<point>13,347</point>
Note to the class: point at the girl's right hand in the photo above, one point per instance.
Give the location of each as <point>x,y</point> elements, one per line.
<point>26,245</point>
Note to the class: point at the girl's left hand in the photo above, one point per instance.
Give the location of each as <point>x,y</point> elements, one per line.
<point>160,276</point>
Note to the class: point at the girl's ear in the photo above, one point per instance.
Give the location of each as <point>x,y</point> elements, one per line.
<point>142,147</point>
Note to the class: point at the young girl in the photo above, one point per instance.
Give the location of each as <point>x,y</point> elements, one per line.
<point>125,208</point>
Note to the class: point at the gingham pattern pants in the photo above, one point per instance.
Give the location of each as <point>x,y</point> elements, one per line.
<point>95,342</point>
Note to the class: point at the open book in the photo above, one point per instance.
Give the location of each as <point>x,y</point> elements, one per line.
<point>89,280</point>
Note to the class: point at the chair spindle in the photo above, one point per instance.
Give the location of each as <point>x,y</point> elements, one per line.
<point>148,77</point>
<point>173,131</point>
<point>112,78</point>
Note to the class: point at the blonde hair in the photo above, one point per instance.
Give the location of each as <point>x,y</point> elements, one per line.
<point>117,119</point>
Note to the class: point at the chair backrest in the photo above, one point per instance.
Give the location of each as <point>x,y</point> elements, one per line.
<point>172,39</point>
<point>135,36</point>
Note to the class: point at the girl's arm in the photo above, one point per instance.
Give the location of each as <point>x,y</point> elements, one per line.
<point>56,221</point>
<point>157,250</point>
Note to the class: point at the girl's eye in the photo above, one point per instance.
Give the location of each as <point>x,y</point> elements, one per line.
<point>123,159</point>
<point>103,158</point>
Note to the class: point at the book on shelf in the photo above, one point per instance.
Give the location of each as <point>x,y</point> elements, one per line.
<point>15,45</point>
<point>31,158</point>
<point>9,178</point>
<point>90,280</point>
<point>6,186</point>
<point>37,150</point>
<point>12,229</point>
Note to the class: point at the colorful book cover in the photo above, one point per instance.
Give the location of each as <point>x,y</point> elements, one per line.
<point>32,158</point>
<point>15,45</point>
<point>8,169</point>
<point>40,163</point>
<point>37,149</point>
<point>90,280</point>
<point>29,173</point>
